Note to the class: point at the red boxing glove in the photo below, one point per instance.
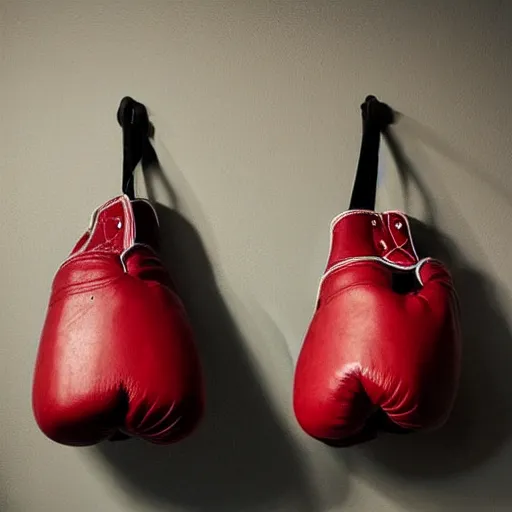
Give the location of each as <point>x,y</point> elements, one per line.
<point>117,356</point>
<point>379,353</point>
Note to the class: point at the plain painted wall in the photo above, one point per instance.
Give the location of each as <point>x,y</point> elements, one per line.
<point>256,109</point>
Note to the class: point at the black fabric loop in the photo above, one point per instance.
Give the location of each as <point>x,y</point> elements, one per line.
<point>133,118</point>
<point>377,117</point>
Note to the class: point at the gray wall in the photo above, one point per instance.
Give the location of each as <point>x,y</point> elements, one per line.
<point>255,106</point>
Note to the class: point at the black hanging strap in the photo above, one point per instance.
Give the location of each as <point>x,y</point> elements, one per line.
<point>133,119</point>
<point>377,117</point>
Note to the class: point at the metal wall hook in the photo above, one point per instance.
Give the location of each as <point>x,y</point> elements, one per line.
<point>376,113</point>
<point>133,115</point>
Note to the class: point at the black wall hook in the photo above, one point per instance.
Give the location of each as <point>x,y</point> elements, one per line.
<point>377,116</point>
<point>133,114</point>
<point>133,118</point>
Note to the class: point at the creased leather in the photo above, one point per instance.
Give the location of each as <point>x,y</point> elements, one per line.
<point>117,356</point>
<point>374,358</point>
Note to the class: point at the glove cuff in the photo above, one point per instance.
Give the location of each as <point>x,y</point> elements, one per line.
<point>366,233</point>
<point>117,226</point>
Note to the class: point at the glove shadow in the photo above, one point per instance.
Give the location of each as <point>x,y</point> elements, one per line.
<point>239,458</point>
<point>481,421</point>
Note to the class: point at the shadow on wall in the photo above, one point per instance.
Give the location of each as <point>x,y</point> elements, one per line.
<point>481,423</point>
<point>240,458</point>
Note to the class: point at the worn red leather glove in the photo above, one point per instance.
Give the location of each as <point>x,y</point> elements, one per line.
<point>383,348</point>
<point>117,355</point>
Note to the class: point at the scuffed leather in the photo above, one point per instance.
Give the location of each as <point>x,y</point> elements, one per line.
<point>372,355</point>
<point>117,356</point>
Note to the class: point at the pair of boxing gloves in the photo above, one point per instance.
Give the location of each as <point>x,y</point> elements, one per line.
<point>117,356</point>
